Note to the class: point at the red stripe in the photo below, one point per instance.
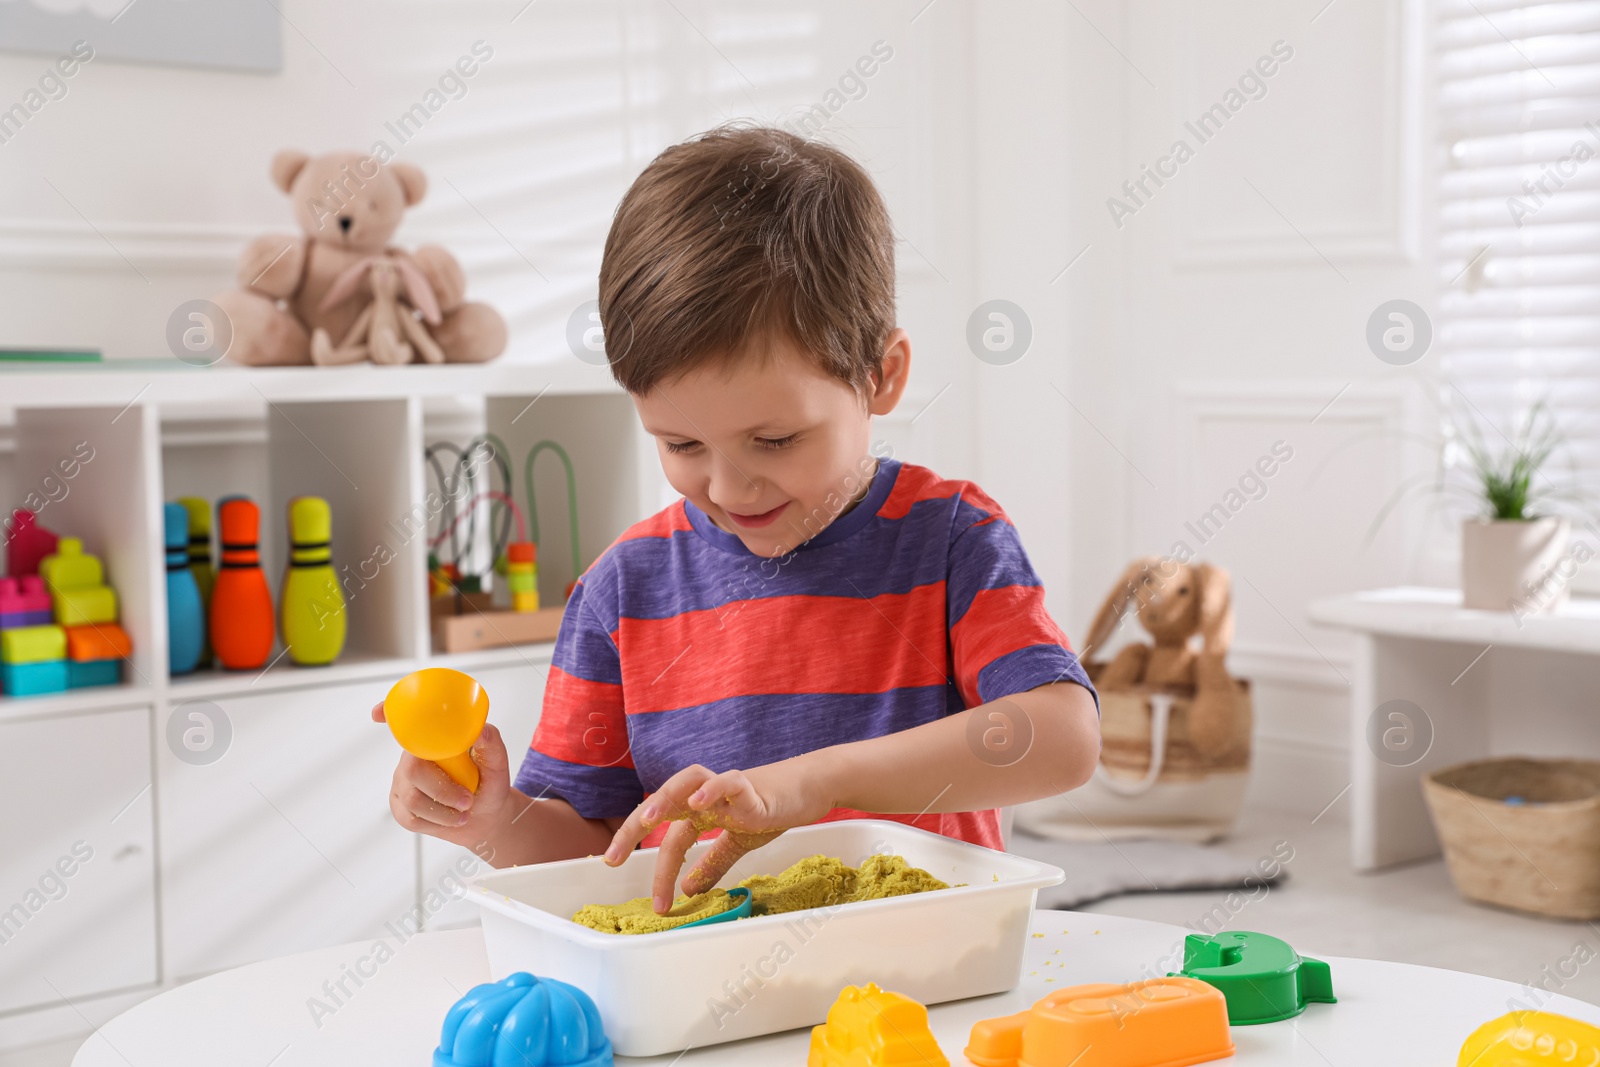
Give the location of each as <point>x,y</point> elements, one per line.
<point>914,484</point>
<point>582,722</point>
<point>983,502</point>
<point>977,827</point>
<point>791,644</point>
<point>663,523</point>
<point>998,622</point>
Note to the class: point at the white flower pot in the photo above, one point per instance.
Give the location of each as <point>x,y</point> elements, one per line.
<point>1516,565</point>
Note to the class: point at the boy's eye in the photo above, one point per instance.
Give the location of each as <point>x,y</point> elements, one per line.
<point>682,446</point>
<point>776,442</point>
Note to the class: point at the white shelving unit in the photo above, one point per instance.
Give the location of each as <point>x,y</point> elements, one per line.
<point>284,842</point>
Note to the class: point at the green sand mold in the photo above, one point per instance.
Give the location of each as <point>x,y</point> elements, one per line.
<point>814,882</point>
<point>1262,978</point>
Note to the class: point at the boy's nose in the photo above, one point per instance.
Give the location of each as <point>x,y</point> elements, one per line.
<point>731,489</point>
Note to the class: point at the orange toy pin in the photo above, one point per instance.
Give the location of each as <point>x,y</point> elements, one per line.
<point>1164,1022</point>
<point>241,623</point>
<point>436,714</point>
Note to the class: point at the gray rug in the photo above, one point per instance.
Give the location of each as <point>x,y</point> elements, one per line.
<point>1100,870</point>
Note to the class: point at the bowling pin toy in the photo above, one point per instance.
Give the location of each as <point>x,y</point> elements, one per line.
<point>310,605</point>
<point>241,604</point>
<point>185,615</point>
<point>200,561</point>
<point>436,714</point>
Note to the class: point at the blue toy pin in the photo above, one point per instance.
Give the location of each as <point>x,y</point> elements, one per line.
<point>186,621</point>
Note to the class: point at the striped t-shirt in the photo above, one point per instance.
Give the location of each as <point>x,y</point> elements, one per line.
<point>681,646</point>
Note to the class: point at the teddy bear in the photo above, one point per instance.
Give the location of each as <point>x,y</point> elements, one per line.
<point>339,292</point>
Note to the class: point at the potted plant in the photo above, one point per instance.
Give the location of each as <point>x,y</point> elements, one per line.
<point>1514,542</point>
<point>1511,551</point>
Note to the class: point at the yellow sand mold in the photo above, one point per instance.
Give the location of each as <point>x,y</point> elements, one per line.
<point>814,882</point>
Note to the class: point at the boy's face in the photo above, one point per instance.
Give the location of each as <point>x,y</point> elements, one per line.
<point>770,447</point>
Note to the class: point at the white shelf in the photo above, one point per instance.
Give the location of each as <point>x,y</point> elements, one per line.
<point>119,382</point>
<point>1437,614</point>
<point>74,701</point>
<point>282,840</point>
<point>285,676</point>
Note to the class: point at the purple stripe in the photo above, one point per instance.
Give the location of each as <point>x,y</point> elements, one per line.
<point>659,578</point>
<point>1029,668</point>
<point>986,557</point>
<point>583,649</point>
<point>596,792</point>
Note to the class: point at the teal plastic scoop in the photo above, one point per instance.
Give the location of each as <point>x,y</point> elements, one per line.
<point>738,911</point>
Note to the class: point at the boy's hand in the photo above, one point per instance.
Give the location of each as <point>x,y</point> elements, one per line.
<point>426,800</point>
<point>752,808</point>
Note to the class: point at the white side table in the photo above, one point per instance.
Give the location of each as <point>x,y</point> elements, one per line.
<point>1388,1013</point>
<point>1473,683</point>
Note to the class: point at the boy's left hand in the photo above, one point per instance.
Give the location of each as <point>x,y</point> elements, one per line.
<point>752,808</point>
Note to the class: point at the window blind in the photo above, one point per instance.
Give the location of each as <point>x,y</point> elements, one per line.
<point>527,168</point>
<point>1518,84</point>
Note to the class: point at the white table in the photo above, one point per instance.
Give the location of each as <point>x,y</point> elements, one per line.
<point>255,1016</point>
<point>1485,682</point>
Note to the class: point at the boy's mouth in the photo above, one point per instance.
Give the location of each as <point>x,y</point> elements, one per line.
<point>766,518</point>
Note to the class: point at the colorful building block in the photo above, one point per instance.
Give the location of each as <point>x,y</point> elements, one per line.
<point>86,607</point>
<point>70,567</point>
<point>32,644</point>
<point>77,585</point>
<point>868,1027</point>
<point>32,679</point>
<point>86,673</point>
<point>25,594</point>
<point>106,640</point>
<point>26,544</point>
<point>23,599</point>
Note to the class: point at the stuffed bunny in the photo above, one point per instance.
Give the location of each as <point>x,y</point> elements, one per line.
<point>1177,602</point>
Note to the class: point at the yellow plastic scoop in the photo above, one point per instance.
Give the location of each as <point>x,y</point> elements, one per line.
<point>436,714</point>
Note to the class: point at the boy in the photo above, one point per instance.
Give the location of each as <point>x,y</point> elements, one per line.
<point>813,632</point>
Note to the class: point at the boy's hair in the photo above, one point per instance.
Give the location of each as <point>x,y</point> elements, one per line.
<point>737,236</point>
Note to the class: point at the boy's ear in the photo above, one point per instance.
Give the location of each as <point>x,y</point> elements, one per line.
<point>888,385</point>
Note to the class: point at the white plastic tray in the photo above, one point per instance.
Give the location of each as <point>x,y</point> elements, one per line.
<point>663,993</point>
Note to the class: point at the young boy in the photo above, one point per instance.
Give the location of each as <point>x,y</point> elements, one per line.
<point>813,632</point>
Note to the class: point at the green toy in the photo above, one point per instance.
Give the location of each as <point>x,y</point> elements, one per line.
<point>1263,979</point>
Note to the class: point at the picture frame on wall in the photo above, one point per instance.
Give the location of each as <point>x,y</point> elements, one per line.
<point>239,35</point>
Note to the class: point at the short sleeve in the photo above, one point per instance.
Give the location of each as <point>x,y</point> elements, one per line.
<point>1002,639</point>
<point>580,749</point>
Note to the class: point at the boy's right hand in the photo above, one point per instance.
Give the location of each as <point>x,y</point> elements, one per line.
<point>426,800</point>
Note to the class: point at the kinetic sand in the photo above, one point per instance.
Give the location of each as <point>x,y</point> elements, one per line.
<point>814,882</point>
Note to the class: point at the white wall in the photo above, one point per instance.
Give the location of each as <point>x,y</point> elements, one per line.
<point>1222,316</point>
<point>136,191</point>
<point>1177,348</point>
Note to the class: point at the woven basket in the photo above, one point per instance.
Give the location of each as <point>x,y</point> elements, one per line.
<point>1540,856</point>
